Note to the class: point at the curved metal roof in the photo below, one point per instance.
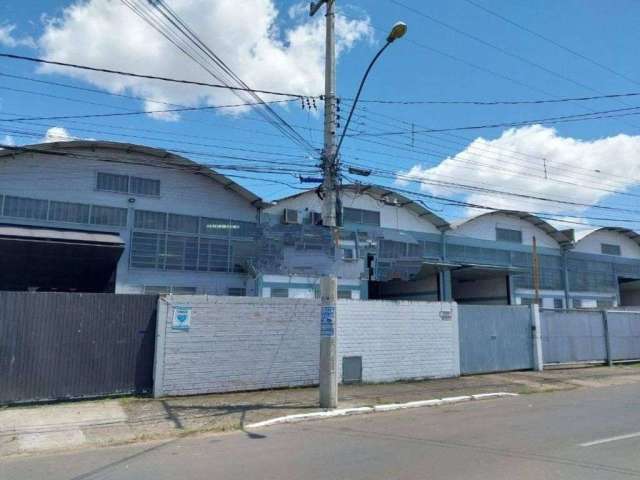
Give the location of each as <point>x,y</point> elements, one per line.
<point>558,235</point>
<point>163,159</point>
<point>393,198</point>
<point>627,232</point>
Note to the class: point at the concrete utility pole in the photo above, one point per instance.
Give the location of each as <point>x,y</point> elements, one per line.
<point>330,204</point>
<point>535,272</point>
<point>329,284</point>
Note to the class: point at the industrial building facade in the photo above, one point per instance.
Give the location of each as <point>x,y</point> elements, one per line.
<point>103,216</point>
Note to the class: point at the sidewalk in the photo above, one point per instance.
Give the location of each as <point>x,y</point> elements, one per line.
<point>84,424</point>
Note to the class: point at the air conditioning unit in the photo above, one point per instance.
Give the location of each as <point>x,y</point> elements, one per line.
<point>290,216</point>
<point>315,218</point>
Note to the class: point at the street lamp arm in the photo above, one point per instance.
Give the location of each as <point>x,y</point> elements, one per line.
<point>355,101</point>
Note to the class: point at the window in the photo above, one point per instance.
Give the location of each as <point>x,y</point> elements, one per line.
<point>508,235</point>
<point>110,182</point>
<point>345,294</point>
<point>150,220</point>
<point>112,216</point>
<point>526,301</point>
<point>147,250</point>
<point>362,217</point>
<point>558,303</point>
<point>609,249</point>
<point>144,186</point>
<point>237,292</point>
<point>183,223</point>
<point>280,293</point>
<point>69,212</point>
<point>25,208</point>
<point>184,290</point>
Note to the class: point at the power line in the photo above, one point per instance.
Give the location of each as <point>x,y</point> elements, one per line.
<point>495,102</point>
<point>151,77</point>
<point>139,112</point>
<point>561,119</point>
<point>552,42</point>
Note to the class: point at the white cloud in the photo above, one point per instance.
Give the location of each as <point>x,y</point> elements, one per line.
<point>57,134</point>
<point>513,162</point>
<point>7,38</point>
<point>9,140</point>
<point>244,34</point>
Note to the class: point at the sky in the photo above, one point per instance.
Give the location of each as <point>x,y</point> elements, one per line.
<point>463,53</point>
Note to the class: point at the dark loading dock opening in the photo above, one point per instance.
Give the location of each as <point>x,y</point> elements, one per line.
<point>49,260</point>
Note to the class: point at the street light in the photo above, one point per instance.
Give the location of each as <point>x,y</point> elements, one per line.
<point>397,31</point>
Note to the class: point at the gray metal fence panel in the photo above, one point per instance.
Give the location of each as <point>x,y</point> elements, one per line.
<point>573,336</point>
<point>624,334</point>
<point>74,345</point>
<point>495,338</point>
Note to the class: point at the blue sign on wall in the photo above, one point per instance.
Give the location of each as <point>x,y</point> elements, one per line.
<point>327,321</point>
<point>181,318</point>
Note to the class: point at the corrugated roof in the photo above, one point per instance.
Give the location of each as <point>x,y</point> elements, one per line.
<point>164,156</point>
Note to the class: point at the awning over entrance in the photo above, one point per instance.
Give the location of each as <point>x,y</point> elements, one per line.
<point>46,259</point>
<point>431,267</point>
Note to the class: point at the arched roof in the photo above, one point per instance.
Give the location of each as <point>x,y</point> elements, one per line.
<point>394,198</point>
<point>163,159</point>
<point>558,235</point>
<point>627,232</point>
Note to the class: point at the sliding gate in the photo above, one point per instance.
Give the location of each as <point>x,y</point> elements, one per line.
<point>495,338</point>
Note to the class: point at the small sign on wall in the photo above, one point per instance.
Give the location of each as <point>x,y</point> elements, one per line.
<point>327,321</point>
<point>446,315</point>
<point>181,318</point>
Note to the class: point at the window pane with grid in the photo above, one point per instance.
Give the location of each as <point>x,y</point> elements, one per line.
<point>150,220</point>
<point>182,253</point>
<point>147,250</point>
<point>280,293</point>
<point>112,216</point>
<point>183,223</point>
<point>508,235</point>
<point>609,249</point>
<point>113,183</point>
<point>25,207</point>
<point>213,255</point>
<point>144,186</point>
<point>69,212</point>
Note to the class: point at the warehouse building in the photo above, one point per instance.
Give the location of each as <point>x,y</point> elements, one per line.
<point>98,216</point>
<point>111,217</point>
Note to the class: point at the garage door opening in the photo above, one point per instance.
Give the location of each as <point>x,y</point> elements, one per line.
<point>629,292</point>
<point>56,260</point>
<point>480,285</point>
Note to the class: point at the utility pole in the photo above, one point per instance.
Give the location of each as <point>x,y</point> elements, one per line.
<point>329,284</point>
<point>535,272</point>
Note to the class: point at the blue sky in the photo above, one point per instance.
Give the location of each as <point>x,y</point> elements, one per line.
<point>587,161</point>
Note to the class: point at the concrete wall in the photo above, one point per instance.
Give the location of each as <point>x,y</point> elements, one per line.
<point>484,228</point>
<point>395,217</point>
<point>236,344</point>
<point>399,340</point>
<point>592,242</point>
<point>69,179</point>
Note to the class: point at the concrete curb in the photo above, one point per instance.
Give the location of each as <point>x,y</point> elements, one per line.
<point>388,407</point>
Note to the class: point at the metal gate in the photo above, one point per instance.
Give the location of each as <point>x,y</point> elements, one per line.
<point>73,345</point>
<point>495,338</point>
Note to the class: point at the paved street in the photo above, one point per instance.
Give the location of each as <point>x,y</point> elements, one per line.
<point>581,434</point>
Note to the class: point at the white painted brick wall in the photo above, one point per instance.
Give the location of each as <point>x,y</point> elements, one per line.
<point>249,343</point>
<point>237,343</point>
<point>398,339</point>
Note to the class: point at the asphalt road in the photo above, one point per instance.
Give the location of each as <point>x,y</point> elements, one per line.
<point>581,434</point>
